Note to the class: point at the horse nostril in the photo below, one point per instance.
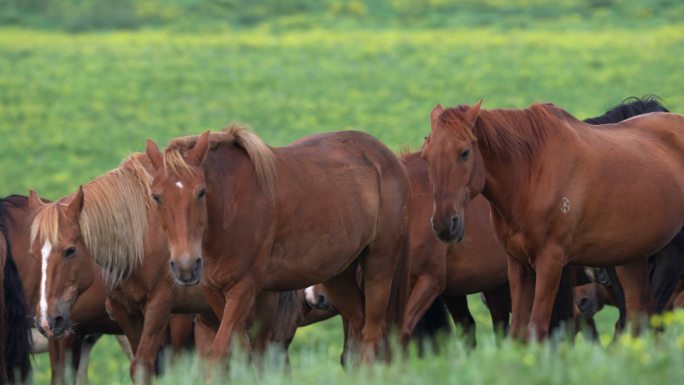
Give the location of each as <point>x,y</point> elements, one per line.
<point>455,221</point>
<point>584,303</point>
<point>57,323</point>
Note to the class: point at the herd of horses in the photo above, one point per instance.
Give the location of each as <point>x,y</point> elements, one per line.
<point>220,239</point>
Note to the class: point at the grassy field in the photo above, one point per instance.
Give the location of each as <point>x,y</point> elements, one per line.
<point>73,105</point>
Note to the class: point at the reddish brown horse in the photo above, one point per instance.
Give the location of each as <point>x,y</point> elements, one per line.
<point>260,218</point>
<point>107,223</point>
<point>478,264</point>
<point>562,192</point>
<point>104,234</point>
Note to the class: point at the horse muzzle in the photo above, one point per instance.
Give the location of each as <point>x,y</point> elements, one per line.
<point>53,327</point>
<point>187,271</point>
<point>451,230</point>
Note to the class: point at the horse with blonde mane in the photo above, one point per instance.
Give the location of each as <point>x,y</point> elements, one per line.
<point>243,217</point>
<point>562,192</point>
<point>106,232</point>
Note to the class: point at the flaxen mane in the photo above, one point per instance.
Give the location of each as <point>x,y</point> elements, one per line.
<point>510,134</point>
<point>113,220</point>
<point>259,153</point>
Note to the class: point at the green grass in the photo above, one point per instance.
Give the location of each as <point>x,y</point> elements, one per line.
<point>72,106</point>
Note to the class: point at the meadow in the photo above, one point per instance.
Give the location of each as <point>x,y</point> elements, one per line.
<point>73,105</point>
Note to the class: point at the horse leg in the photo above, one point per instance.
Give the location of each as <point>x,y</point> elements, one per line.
<point>345,295</point>
<point>499,305</point>
<point>521,281</point>
<point>125,346</point>
<point>238,305</point>
<point>666,272</point>
<point>56,351</point>
<point>639,301</point>
<point>549,268</point>
<point>619,299</point>
<point>458,308</point>
<point>424,292</point>
<point>155,324</point>
<point>205,332</point>
<point>180,326</point>
<point>87,344</point>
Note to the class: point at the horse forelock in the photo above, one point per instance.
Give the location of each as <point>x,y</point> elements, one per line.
<point>45,224</point>
<point>508,134</point>
<point>262,157</point>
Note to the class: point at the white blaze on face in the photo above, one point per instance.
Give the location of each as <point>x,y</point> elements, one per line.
<point>45,254</point>
<point>310,295</point>
<point>179,184</point>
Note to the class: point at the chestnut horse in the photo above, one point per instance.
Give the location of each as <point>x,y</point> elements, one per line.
<point>258,218</point>
<point>104,234</point>
<point>106,223</point>
<point>562,192</point>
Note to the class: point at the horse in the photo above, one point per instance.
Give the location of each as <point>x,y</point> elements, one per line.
<point>246,218</point>
<point>89,314</point>
<point>105,234</point>
<point>15,344</point>
<point>561,191</point>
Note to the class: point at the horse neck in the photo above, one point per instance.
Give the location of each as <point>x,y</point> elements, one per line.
<point>507,183</point>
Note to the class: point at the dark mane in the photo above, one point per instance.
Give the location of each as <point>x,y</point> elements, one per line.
<point>628,108</point>
<point>15,342</point>
<point>510,134</point>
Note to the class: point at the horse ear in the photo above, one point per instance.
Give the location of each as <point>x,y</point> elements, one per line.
<point>473,113</point>
<point>436,112</point>
<point>197,154</point>
<point>76,206</point>
<point>153,153</point>
<point>34,201</point>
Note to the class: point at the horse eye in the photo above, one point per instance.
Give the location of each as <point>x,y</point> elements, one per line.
<point>464,155</point>
<point>201,193</point>
<point>157,199</point>
<point>70,252</point>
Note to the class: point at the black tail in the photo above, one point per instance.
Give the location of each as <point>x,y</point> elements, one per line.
<point>17,342</point>
<point>435,321</point>
<point>630,107</point>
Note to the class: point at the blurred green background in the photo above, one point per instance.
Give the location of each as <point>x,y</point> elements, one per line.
<point>84,82</point>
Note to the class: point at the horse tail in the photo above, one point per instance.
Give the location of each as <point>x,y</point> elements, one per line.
<point>434,322</point>
<point>288,314</point>
<point>562,315</point>
<point>400,288</point>
<point>16,340</point>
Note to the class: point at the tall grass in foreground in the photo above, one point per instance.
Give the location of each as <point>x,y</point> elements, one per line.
<point>652,358</point>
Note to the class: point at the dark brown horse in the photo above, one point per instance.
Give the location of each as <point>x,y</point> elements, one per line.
<point>256,218</point>
<point>562,192</point>
<point>89,314</point>
<point>15,346</point>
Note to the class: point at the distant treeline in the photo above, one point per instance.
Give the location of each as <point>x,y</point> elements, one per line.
<point>197,15</point>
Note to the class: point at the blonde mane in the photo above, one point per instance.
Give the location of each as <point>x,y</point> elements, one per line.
<point>113,220</point>
<point>260,154</point>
